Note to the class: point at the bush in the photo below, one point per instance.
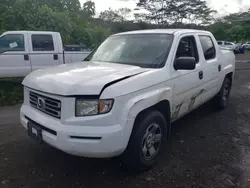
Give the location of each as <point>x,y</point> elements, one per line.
<point>11,91</point>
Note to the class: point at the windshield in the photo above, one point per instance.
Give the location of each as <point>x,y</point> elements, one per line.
<point>144,50</point>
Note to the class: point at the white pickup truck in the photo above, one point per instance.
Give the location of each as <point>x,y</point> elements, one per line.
<point>123,99</point>
<point>22,52</point>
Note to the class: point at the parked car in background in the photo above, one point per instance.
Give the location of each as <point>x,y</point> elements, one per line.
<point>227,44</point>
<point>75,48</point>
<point>124,97</point>
<point>246,46</point>
<point>239,49</point>
<point>22,52</point>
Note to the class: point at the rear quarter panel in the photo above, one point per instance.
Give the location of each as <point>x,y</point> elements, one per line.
<point>228,59</point>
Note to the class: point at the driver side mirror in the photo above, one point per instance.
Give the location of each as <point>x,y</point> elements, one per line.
<point>185,63</point>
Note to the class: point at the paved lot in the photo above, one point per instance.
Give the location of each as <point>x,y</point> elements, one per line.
<point>243,57</point>
<point>207,149</point>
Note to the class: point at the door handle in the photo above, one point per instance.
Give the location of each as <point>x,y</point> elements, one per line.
<point>55,57</point>
<point>200,75</point>
<point>26,57</point>
<point>219,68</point>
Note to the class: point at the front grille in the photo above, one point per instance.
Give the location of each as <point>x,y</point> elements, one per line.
<point>46,104</point>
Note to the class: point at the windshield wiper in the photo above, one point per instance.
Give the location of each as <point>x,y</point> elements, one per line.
<point>88,58</point>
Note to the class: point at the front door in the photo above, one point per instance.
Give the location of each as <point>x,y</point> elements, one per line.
<point>14,58</point>
<point>188,87</point>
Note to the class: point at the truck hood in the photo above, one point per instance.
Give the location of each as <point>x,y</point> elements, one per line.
<point>83,78</point>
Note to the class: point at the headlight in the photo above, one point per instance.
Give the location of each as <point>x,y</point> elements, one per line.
<point>93,107</point>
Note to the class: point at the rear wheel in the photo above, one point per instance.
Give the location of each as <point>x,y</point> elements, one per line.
<point>146,142</point>
<point>221,99</point>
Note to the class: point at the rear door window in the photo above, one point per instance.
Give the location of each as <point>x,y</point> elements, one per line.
<point>208,47</point>
<point>42,42</point>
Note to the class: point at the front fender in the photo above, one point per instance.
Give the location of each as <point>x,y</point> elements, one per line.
<point>148,99</point>
<point>139,102</point>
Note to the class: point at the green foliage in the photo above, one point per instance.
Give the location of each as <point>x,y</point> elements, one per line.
<point>64,16</point>
<point>169,11</point>
<point>89,9</point>
<point>124,13</point>
<point>80,26</point>
<point>233,27</point>
<point>11,91</point>
<point>111,16</point>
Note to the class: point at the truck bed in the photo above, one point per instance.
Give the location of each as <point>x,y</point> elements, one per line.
<point>74,56</point>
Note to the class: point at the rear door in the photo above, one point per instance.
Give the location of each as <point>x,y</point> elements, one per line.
<point>43,52</point>
<point>14,62</point>
<point>211,68</point>
<point>188,84</point>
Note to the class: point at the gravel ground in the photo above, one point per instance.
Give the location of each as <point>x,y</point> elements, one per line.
<point>207,148</point>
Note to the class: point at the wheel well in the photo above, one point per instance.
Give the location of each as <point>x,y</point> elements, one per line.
<point>164,108</point>
<point>230,76</point>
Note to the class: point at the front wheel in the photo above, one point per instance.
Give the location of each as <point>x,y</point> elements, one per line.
<point>146,142</point>
<point>221,99</point>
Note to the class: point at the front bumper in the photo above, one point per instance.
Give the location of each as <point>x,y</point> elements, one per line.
<point>82,139</point>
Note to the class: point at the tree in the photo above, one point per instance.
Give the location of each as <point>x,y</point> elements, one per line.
<point>55,5</point>
<point>235,33</point>
<point>89,9</point>
<point>60,5</point>
<point>78,24</point>
<point>71,5</point>
<point>169,11</point>
<point>6,6</point>
<point>236,17</point>
<point>124,13</point>
<point>234,27</point>
<point>140,17</point>
<point>111,15</point>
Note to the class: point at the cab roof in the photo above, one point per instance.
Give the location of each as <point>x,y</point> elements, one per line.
<point>164,31</point>
<point>30,32</point>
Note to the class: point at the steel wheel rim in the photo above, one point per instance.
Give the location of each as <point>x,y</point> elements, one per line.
<point>151,142</point>
<point>226,91</point>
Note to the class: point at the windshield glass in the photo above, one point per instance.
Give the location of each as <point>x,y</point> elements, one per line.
<point>144,50</point>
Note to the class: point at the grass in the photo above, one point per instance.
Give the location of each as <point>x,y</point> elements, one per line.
<point>11,91</point>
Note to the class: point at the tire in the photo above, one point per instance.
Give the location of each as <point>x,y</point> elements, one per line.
<point>146,142</point>
<point>221,99</point>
